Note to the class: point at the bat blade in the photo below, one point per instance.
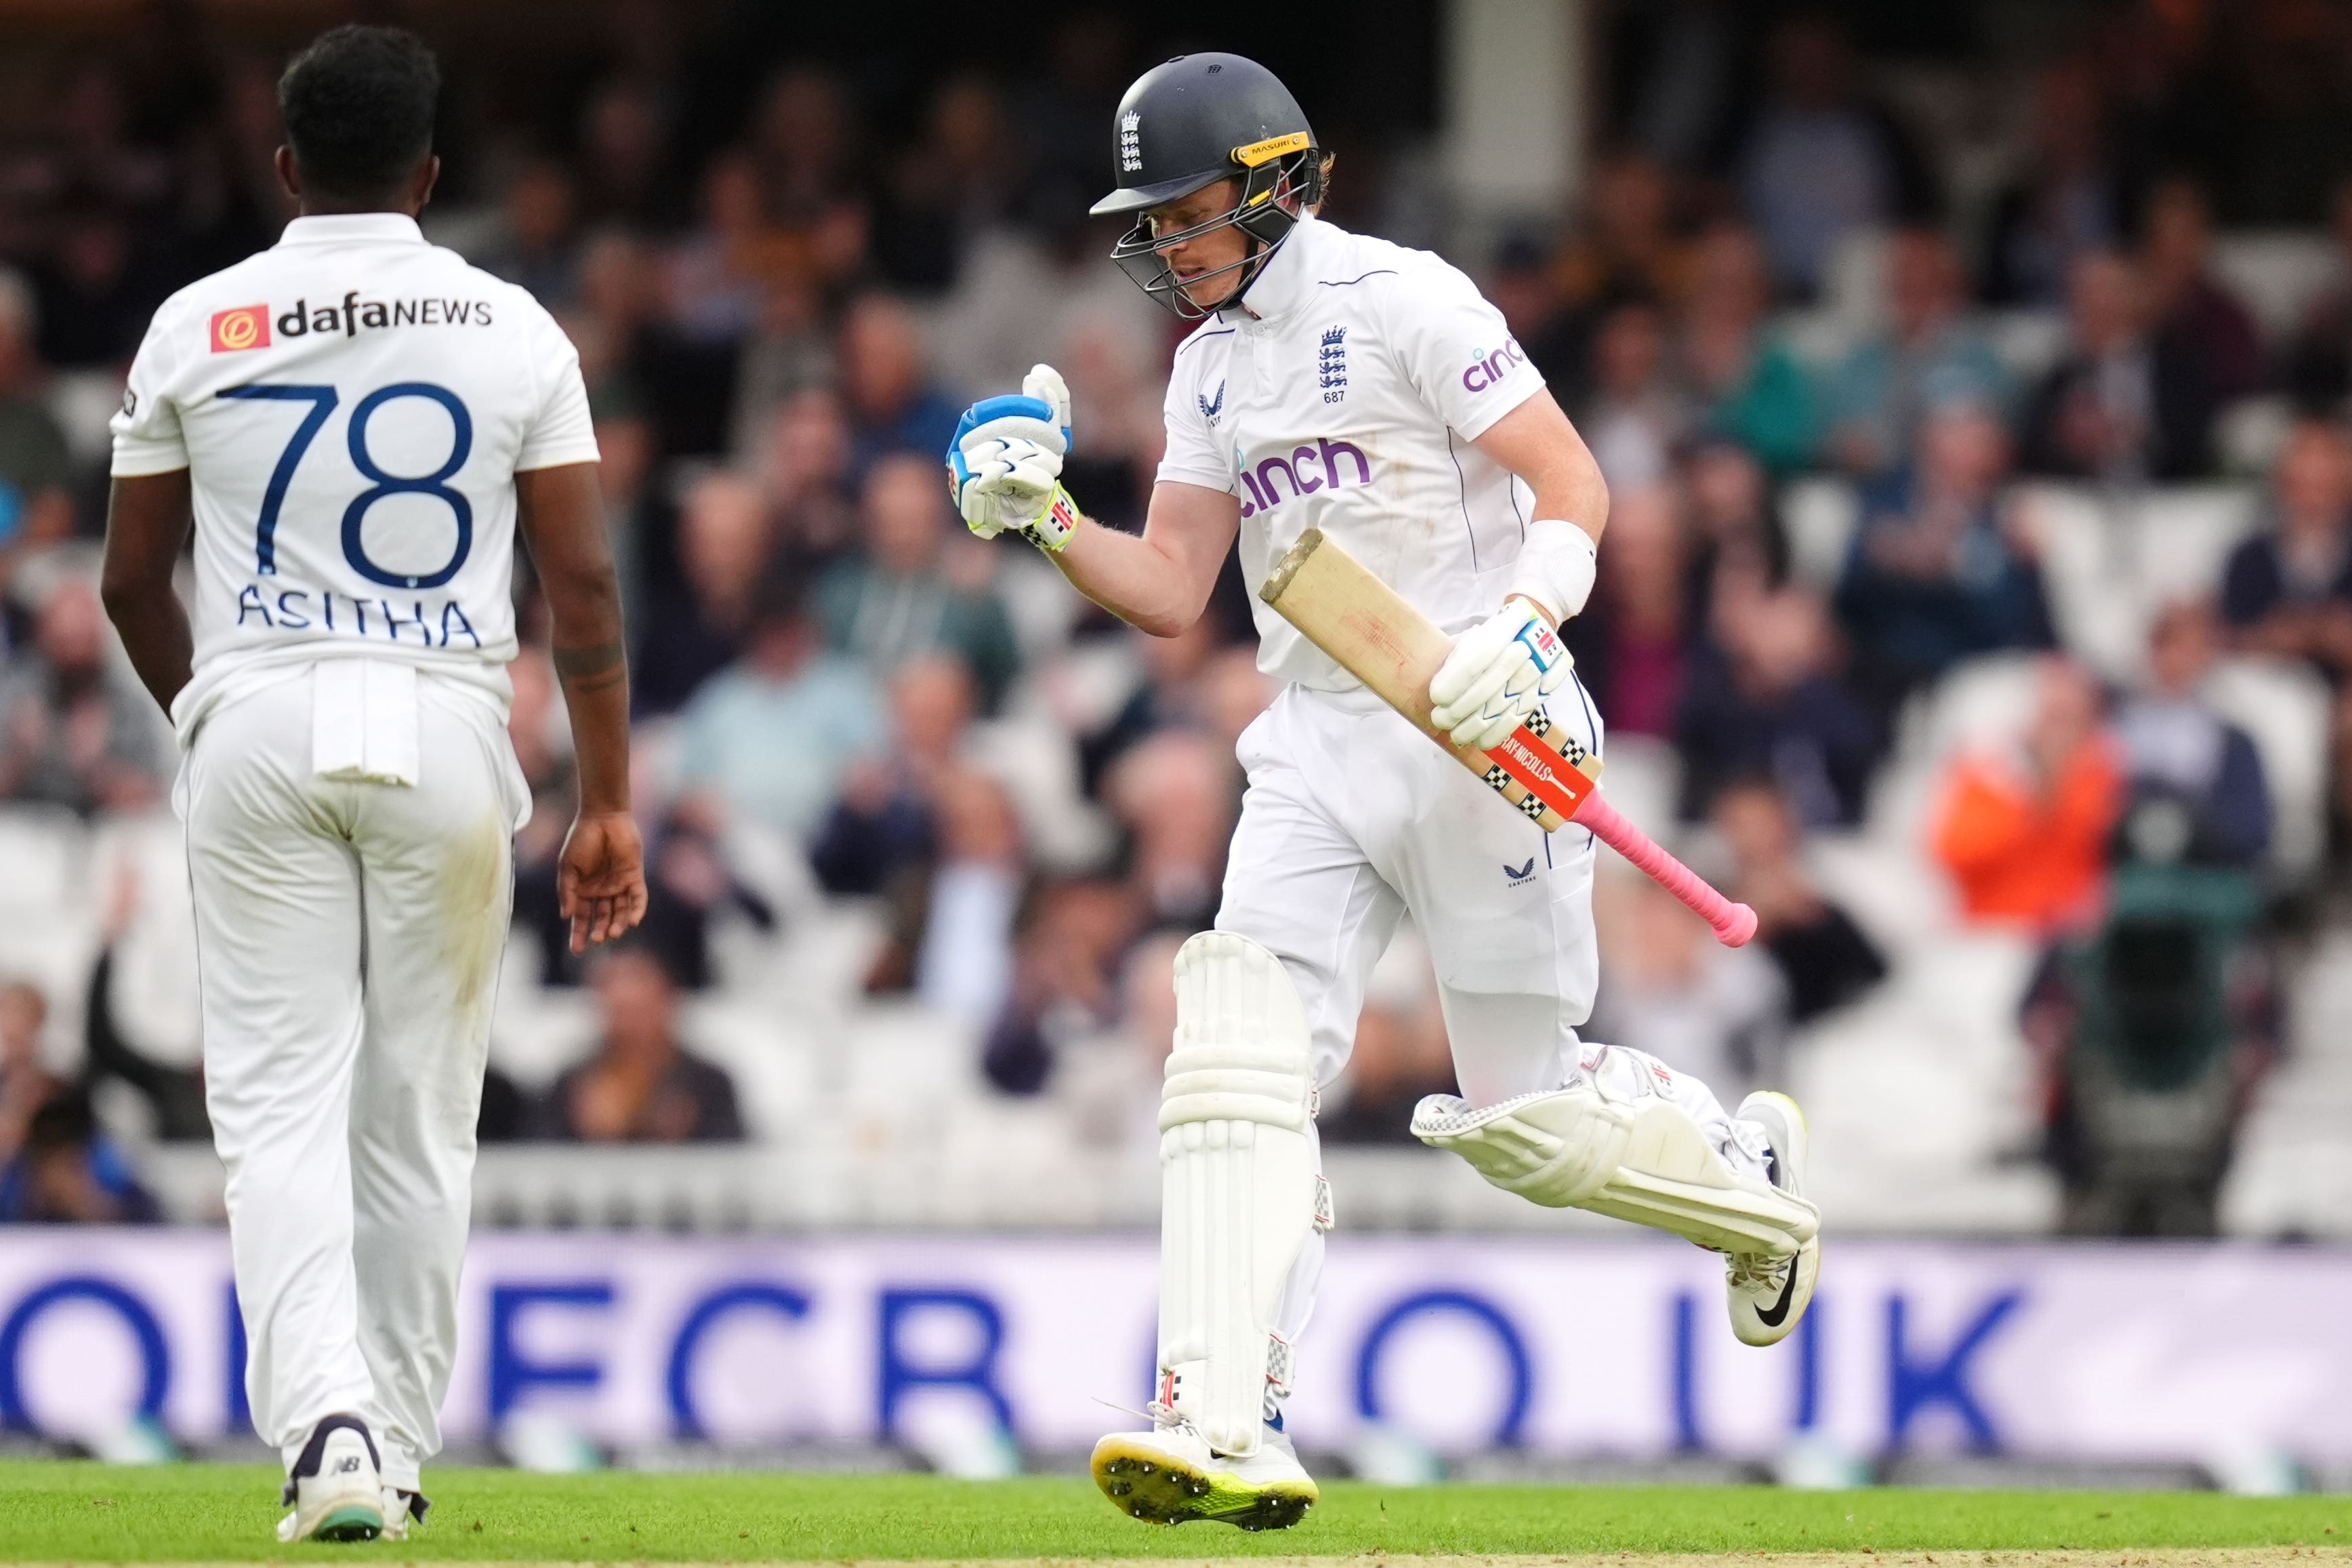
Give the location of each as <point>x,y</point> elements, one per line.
<point>1375,634</point>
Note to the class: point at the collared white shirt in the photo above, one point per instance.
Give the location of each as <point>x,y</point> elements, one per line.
<point>352,406</point>
<point>1343,392</point>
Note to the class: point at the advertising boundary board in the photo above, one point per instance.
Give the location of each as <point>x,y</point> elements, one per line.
<point>2096,1352</point>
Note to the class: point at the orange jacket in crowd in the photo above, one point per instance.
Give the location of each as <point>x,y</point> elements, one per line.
<point>2020,856</point>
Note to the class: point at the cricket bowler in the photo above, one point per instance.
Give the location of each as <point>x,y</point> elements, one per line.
<point>356,423</point>
<point>1354,386</point>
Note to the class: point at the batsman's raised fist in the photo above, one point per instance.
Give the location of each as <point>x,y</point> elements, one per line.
<point>1499,672</point>
<point>1005,463</point>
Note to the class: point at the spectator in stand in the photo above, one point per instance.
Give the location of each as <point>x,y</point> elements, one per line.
<point>1169,696</point>
<point>917,590</point>
<point>1632,642</point>
<point>1935,574</point>
<point>884,824</point>
<point>625,445</point>
<point>893,407</point>
<point>2287,590</point>
<point>621,134</point>
<point>1669,988</point>
<point>2198,320</point>
<point>25,1085</point>
<point>769,737</point>
<point>1749,385</point>
<point>786,360</point>
<point>963,967</point>
<point>1066,950</point>
<point>1762,699</point>
<point>966,174</point>
<point>69,1173</point>
<point>641,1085</point>
<point>2198,792</point>
<point>2023,830</point>
<point>537,243</point>
<point>72,733</point>
<point>1627,248</point>
<point>2318,370</point>
<point>1177,795</point>
<point>1733,525</point>
<point>2121,405</point>
<point>1825,961</point>
<point>2069,202</point>
<point>1637,416</point>
<point>805,141</point>
<point>1525,285</point>
<point>1930,354</point>
<point>36,468</point>
<point>803,465</point>
<point>720,273</point>
<point>1822,161</point>
<point>726,549</point>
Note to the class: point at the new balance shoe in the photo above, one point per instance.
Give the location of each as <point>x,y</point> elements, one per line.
<point>1768,1294</point>
<point>336,1490</point>
<point>1171,1476</point>
<point>402,1509</point>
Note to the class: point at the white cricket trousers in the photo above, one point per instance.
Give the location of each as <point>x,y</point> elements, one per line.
<point>1350,819</point>
<point>348,943</point>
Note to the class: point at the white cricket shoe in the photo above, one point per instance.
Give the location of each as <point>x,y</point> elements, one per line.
<point>1170,1476</point>
<point>1768,1295</point>
<point>402,1509</point>
<point>336,1488</point>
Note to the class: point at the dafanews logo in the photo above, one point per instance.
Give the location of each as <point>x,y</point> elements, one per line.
<point>245,327</point>
<point>253,326</point>
<point>355,315</point>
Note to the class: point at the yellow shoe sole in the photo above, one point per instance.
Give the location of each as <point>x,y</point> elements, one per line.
<point>1142,1484</point>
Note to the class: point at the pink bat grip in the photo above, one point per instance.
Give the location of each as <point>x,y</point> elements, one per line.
<point>1734,923</point>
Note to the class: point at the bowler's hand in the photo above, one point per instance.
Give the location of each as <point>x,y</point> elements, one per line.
<point>600,879</point>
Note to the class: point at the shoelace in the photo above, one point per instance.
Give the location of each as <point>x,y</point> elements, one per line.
<point>1165,1418</point>
<point>1758,1270</point>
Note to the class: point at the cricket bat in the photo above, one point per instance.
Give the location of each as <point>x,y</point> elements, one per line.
<point>1381,640</point>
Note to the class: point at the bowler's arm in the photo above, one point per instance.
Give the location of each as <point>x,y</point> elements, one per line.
<point>147,522</point>
<point>1157,582</point>
<point>600,878</point>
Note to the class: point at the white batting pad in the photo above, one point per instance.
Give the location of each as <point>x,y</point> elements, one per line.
<point>1642,1159</point>
<point>1238,1184</point>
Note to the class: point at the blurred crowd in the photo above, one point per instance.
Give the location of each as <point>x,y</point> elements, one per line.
<point>1033,800</point>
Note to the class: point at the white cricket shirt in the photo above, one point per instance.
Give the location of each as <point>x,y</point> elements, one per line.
<point>352,405</point>
<point>1343,392</point>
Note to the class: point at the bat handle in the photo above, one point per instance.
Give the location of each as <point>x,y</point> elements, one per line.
<point>1734,923</point>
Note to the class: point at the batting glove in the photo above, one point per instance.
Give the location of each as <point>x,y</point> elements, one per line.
<point>1005,463</point>
<point>1498,676</point>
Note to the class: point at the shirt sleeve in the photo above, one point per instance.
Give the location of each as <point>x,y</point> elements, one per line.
<point>1456,352</point>
<point>561,430</point>
<point>147,436</point>
<point>1194,456</point>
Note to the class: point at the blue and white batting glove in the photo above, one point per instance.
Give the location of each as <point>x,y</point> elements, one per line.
<point>1005,463</point>
<point>1498,676</point>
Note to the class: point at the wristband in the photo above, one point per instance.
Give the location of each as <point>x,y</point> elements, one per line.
<point>1556,567</point>
<point>1051,529</point>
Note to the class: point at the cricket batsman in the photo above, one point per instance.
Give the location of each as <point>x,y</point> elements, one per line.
<point>356,423</point>
<point>1348,385</point>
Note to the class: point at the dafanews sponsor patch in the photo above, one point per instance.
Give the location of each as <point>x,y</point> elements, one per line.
<point>245,327</point>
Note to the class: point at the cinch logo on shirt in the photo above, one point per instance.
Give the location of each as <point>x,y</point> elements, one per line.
<point>1488,368</point>
<point>1324,466</point>
<point>245,327</point>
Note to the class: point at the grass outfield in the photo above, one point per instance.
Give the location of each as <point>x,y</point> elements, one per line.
<point>73,1512</point>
